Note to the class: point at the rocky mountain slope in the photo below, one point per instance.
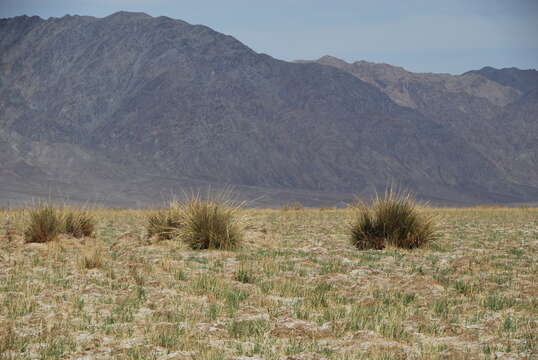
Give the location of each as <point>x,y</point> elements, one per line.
<point>495,111</point>
<point>124,109</point>
<point>523,80</point>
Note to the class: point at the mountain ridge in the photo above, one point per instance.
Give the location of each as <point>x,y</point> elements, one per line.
<point>130,96</point>
<point>523,80</point>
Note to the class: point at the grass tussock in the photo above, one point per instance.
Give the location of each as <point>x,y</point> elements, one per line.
<point>78,223</point>
<point>44,225</point>
<point>394,220</point>
<point>245,275</point>
<point>164,223</point>
<point>211,223</point>
<point>46,222</point>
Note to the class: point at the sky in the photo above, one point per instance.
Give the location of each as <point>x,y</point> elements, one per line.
<point>440,36</point>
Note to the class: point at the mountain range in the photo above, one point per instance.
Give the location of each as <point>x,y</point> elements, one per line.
<point>128,109</point>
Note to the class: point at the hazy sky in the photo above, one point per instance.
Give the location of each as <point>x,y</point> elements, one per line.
<point>421,35</point>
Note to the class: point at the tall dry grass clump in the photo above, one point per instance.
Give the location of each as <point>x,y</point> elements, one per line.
<point>211,223</point>
<point>45,224</point>
<point>78,223</point>
<point>395,220</point>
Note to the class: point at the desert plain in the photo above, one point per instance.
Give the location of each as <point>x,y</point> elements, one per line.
<point>296,289</point>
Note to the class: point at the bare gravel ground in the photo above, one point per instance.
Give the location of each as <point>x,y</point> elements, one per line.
<point>296,290</point>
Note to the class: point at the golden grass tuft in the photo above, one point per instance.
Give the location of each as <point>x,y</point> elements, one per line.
<point>45,224</point>
<point>393,220</point>
<point>78,223</point>
<point>91,257</point>
<point>164,223</point>
<point>293,206</point>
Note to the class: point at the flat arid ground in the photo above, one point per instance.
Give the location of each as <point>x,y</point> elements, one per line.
<point>296,290</point>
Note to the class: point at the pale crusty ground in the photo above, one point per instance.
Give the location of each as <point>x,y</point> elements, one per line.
<point>296,290</point>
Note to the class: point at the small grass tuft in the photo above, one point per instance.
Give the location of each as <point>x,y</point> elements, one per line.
<point>393,220</point>
<point>78,223</point>
<point>45,224</point>
<point>244,275</point>
<point>164,223</point>
<point>293,206</point>
<point>91,257</point>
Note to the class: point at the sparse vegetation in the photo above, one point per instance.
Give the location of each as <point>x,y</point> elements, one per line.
<point>297,290</point>
<point>393,220</point>
<point>44,225</point>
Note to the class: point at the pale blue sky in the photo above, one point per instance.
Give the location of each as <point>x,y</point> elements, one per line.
<point>421,35</point>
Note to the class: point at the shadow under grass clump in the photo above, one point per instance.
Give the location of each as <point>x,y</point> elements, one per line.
<point>393,220</point>
<point>45,224</point>
<point>211,223</point>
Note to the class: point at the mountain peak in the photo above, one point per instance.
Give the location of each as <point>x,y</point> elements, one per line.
<point>488,68</point>
<point>128,15</point>
<point>523,80</point>
<point>331,60</point>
